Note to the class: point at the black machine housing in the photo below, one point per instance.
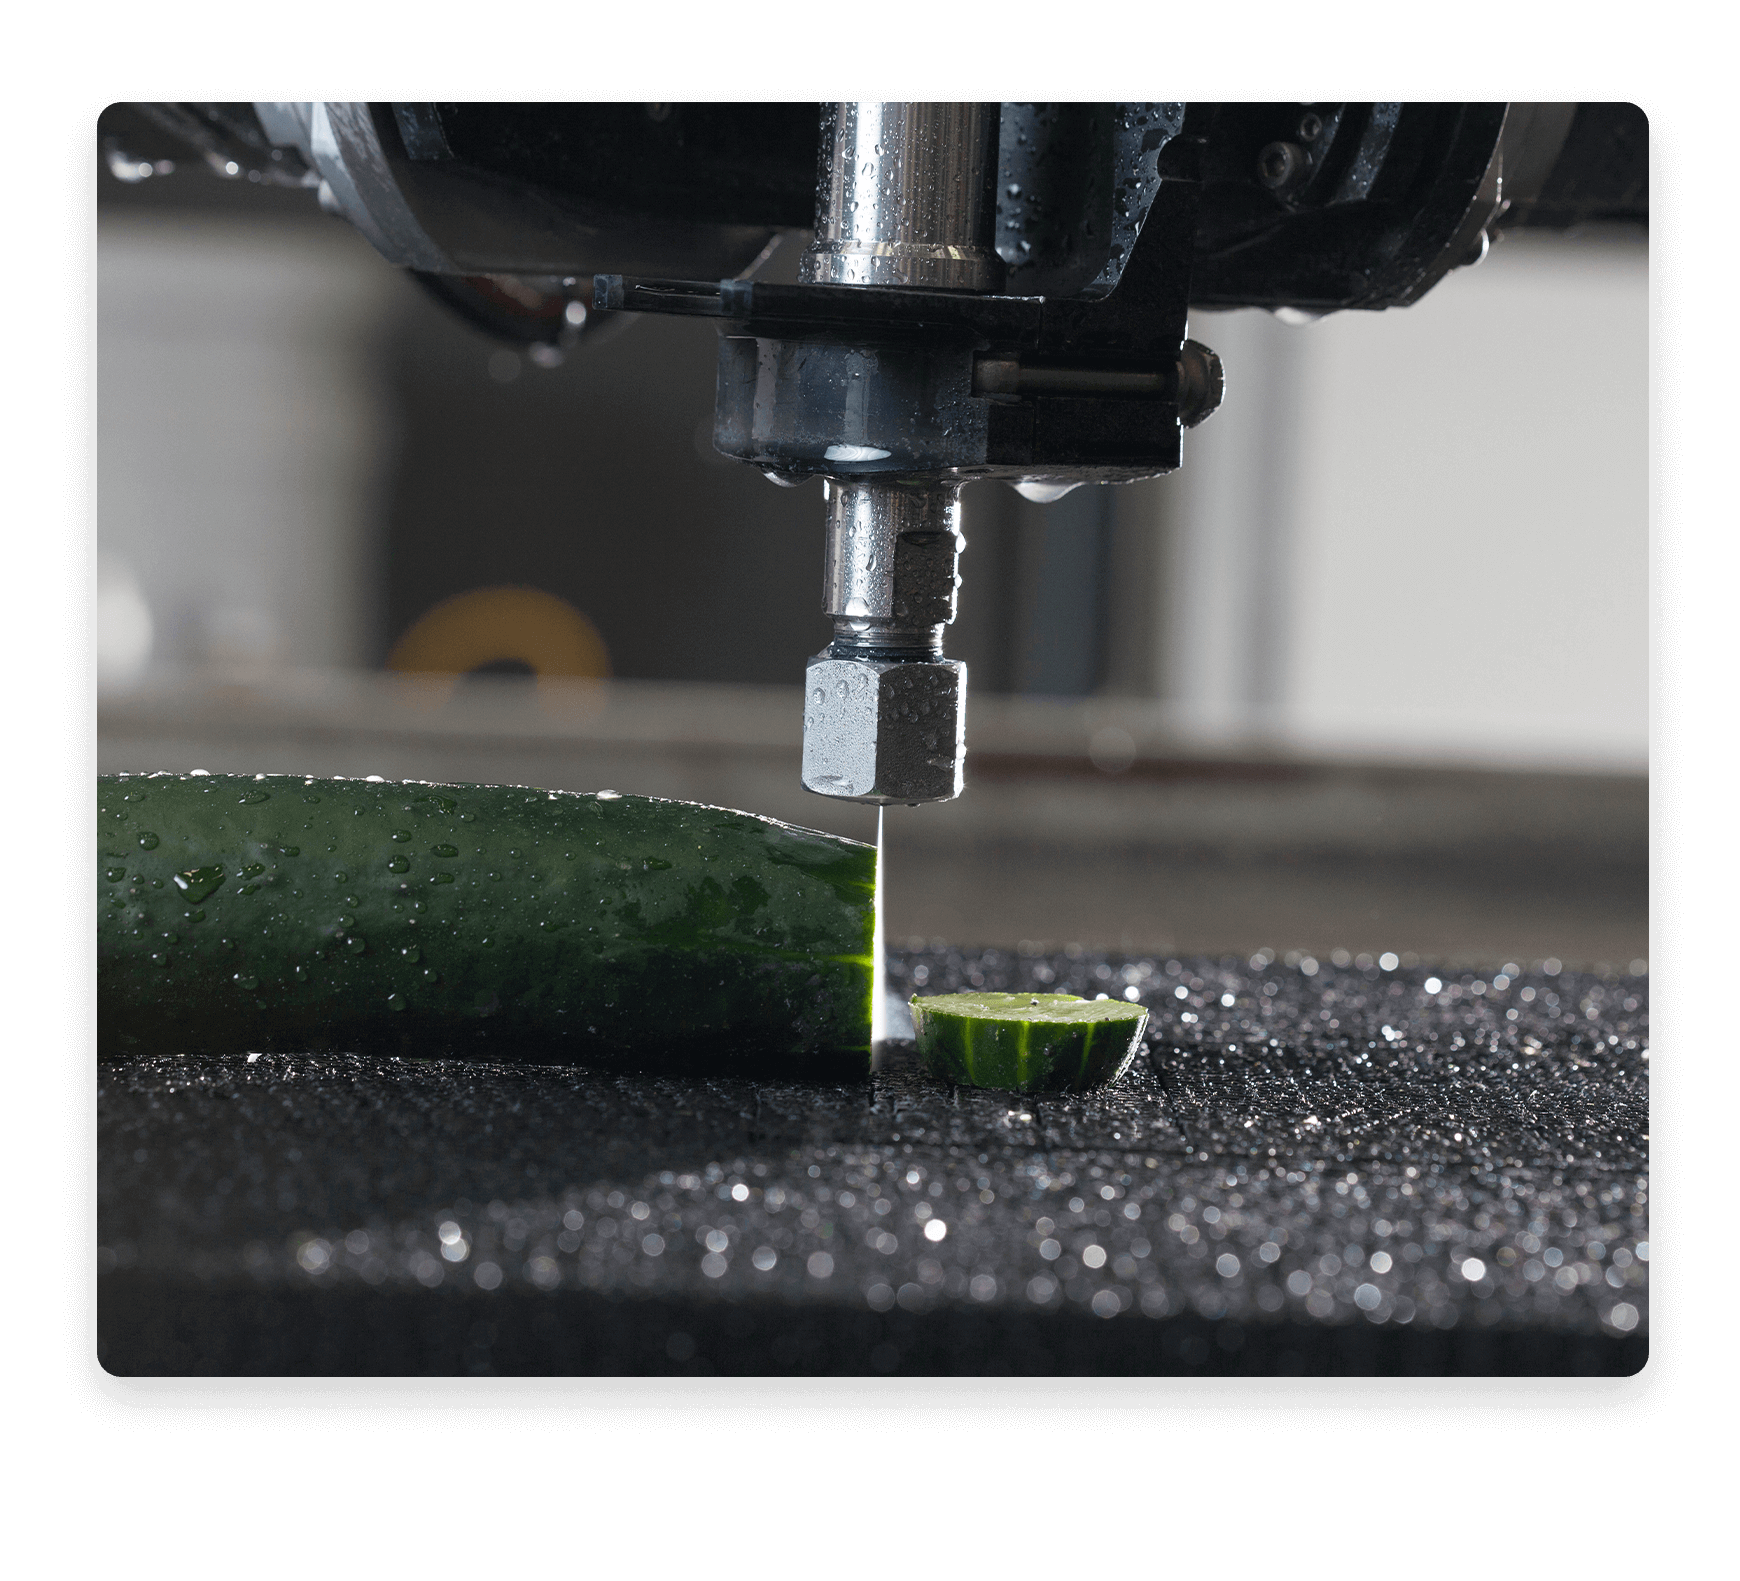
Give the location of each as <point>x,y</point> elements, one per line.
<point>542,222</point>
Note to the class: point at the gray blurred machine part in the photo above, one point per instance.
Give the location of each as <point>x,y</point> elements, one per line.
<point>992,291</point>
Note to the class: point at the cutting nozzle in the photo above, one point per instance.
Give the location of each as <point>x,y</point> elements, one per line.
<point>884,711</point>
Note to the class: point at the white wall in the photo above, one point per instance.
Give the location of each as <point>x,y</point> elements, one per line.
<point>239,433</point>
<point>1424,532</point>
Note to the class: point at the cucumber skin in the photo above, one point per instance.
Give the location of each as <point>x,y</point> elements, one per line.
<point>627,929</point>
<point>983,1051</point>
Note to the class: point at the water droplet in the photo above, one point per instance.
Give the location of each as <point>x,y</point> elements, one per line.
<point>395,1001</point>
<point>412,953</point>
<point>820,696</point>
<point>354,945</point>
<point>255,795</point>
<point>300,974</point>
<point>353,900</point>
<point>148,841</point>
<point>430,975</point>
<point>341,878</point>
<point>253,870</point>
<point>290,850</point>
<point>248,889</point>
<point>115,874</point>
<point>440,878</point>
<point>198,882</point>
<point>445,850</point>
<point>609,795</point>
<point>246,983</point>
<point>401,834</point>
<point>398,864</point>
<point>196,916</point>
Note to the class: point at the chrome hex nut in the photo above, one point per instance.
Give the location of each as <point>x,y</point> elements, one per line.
<point>884,731</point>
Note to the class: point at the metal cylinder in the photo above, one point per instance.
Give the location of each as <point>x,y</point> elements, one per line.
<point>889,578</point>
<point>906,196</point>
<point>883,717</point>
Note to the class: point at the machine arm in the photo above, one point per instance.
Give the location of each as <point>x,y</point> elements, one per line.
<point>989,291</point>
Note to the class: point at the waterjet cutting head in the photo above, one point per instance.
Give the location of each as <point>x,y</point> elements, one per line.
<point>898,369</point>
<point>993,291</point>
<point>884,711</point>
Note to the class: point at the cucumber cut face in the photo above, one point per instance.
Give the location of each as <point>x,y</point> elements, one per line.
<point>1027,1042</point>
<point>286,913</point>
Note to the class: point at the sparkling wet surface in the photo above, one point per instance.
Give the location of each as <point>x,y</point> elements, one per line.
<point>1345,1149</point>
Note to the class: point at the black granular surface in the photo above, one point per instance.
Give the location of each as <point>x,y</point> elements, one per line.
<point>1313,1170</point>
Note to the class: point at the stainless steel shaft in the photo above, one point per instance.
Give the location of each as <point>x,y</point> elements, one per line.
<point>889,580</point>
<point>906,196</point>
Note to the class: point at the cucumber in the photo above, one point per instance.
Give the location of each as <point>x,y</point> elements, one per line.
<point>1027,1042</point>
<point>282,913</point>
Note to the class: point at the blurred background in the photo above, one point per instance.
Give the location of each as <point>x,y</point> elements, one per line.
<point>1369,674</point>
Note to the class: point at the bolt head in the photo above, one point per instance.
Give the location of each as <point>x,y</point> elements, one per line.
<point>882,731</point>
<point>1281,165</point>
<point>1201,383</point>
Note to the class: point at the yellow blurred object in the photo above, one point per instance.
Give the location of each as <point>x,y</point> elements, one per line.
<point>495,625</point>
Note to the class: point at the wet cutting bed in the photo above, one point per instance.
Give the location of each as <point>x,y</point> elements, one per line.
<point>1310,1169</point>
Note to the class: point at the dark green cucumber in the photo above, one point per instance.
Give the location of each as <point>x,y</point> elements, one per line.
<point>1027,1042</point>
<point>280,913</point>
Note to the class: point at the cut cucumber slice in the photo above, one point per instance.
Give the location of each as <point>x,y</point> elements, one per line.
<point>1027,1042</point>
<point>281,913</point>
